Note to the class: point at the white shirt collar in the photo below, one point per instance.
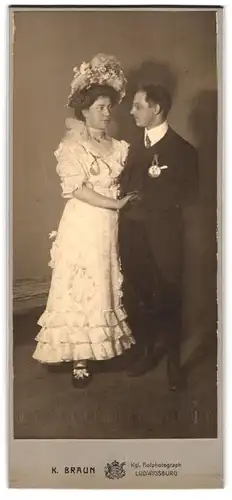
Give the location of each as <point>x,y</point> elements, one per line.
<point>155,134</point>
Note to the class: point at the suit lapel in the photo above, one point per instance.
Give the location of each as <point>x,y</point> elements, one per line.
<point>140,158</point>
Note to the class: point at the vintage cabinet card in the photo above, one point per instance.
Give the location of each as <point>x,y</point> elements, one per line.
<point>115,168</point>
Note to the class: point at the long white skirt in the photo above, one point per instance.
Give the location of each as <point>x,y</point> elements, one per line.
<point>84,317</point>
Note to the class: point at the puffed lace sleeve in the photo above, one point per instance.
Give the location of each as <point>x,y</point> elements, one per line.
<point>70,167</point>
<point>124,150</point>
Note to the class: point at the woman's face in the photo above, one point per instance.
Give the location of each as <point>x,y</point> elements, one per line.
<point>99,113</point>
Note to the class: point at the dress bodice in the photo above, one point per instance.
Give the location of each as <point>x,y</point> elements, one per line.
<point>83,161</point>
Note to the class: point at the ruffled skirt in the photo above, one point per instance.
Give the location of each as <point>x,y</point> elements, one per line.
<point>84,317</point>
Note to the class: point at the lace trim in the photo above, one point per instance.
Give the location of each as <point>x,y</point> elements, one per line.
<point>77,133</point>
<point>81,335</point>
<point>59,352</point>
<point>95,319</point>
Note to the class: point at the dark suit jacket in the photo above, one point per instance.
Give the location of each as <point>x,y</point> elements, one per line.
<point>163,197</point>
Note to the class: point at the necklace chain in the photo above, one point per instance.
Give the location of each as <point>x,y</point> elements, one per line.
<point>97,139</point>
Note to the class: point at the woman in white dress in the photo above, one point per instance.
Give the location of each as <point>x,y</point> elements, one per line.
<point>84,317</point>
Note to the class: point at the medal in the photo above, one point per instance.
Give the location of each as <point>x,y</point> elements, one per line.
<point>155,170</point>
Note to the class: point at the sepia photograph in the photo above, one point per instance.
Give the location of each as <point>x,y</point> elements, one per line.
<point>115,174</point>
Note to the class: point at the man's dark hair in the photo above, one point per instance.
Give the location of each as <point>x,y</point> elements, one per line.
<point>157,94</point>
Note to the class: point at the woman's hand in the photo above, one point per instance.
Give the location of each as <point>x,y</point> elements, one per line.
<point>98,200</point>
<point>133,196</point>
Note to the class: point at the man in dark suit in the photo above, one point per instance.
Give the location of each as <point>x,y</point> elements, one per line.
<point>162,167</point>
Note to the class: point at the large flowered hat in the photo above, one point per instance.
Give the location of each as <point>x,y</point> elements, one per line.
<point>103,69</point>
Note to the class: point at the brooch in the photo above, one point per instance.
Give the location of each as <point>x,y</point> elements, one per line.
<point>155,170</point>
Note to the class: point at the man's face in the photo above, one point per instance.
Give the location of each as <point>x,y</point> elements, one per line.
<point>141,110</point>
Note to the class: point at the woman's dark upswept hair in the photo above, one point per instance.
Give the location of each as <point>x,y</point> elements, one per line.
<point>85,98</point>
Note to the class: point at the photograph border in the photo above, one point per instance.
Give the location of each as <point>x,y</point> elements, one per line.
<point>205,468</point>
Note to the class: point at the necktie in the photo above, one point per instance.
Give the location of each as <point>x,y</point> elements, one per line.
<point>147,141</point>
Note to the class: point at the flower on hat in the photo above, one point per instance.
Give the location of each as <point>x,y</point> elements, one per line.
<point>103,69</point>
<point>84,67</point>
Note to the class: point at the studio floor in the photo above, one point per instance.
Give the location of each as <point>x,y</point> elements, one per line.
<point>113,406</point>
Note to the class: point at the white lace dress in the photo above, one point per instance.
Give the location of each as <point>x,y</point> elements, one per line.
<point>84,316</point>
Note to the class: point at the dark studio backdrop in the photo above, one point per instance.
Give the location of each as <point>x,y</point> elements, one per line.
<point>177,49</point>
